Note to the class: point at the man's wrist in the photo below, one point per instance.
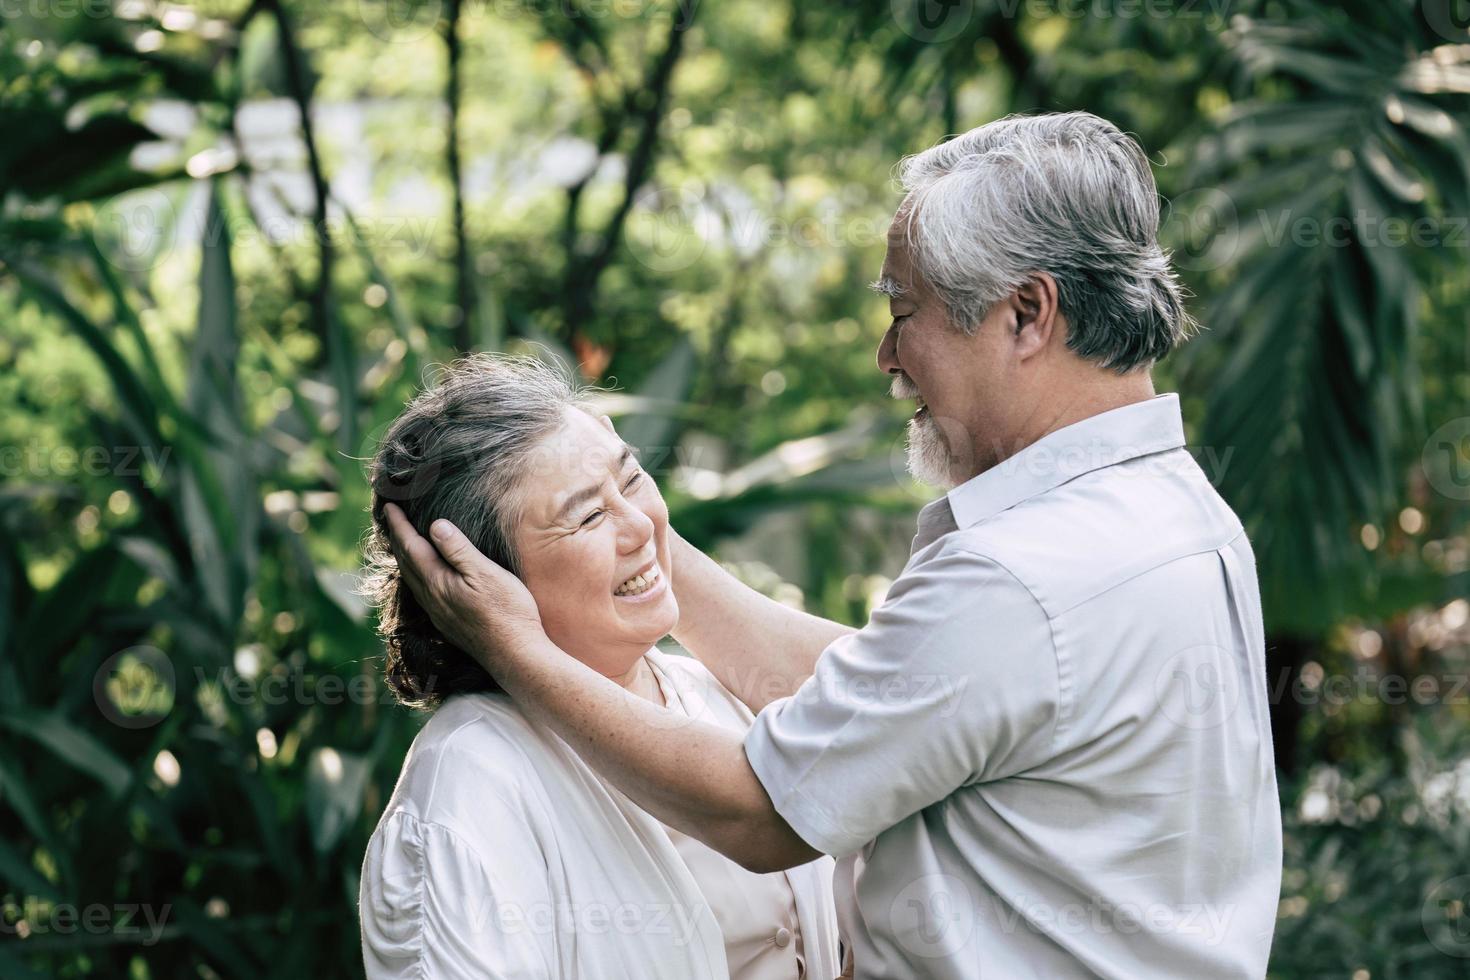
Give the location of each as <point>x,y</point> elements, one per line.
<point>512,650</point>
<point>682,555</point>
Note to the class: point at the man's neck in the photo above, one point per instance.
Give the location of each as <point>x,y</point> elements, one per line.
<point>1076,401</point>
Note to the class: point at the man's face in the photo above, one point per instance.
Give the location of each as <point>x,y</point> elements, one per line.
<point>959,381</point>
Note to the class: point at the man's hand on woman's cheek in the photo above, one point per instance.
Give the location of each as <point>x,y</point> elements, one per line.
<point>478,605</point>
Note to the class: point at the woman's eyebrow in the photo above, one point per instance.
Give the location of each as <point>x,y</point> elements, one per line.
<point>587,493</point>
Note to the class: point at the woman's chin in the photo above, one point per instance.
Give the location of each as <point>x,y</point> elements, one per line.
<point>654,613</point>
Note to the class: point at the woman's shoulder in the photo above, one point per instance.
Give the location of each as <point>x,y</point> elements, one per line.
<point>477,755</point>
<point>483,731</point>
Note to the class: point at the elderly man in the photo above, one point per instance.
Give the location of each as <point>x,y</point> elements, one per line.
<point>1047,753</point>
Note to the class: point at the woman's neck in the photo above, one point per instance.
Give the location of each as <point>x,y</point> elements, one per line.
<point>639,680</point>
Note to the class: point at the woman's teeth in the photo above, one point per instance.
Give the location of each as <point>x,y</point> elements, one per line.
<point>639,583</point>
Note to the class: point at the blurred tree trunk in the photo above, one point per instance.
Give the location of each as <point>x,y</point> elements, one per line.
<point>645,108</point>
<point>464,286</point>
<point>300,88</point>
<point>1285,655</point>
<point>334,347</point>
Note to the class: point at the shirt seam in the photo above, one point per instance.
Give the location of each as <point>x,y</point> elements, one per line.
<point>1194,553</point>
<point>439,762</point>
<point>1063,667</point>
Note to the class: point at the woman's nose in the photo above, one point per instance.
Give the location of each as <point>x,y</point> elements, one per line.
<point>636,528</point>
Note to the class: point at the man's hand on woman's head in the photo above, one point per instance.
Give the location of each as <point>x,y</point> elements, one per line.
<point>478,605</point>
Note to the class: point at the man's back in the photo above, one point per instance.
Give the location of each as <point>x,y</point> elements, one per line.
<point>1094,792</point>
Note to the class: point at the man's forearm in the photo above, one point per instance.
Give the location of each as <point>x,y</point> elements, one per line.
<point>755,646</point>
<point>691,775</point>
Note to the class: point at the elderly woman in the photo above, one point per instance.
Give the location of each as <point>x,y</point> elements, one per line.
<point>500,853</point>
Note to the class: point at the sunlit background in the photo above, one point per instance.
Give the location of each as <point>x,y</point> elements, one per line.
<point>235,235</point>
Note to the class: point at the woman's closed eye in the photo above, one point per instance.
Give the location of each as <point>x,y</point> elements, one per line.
<point>632,483</point>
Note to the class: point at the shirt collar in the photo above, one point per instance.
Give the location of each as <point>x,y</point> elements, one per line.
<point>1112,437</point>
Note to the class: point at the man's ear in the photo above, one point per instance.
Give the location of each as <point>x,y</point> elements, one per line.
<point>1038,314</point>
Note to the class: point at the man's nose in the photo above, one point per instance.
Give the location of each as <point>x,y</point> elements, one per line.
<point>888,352</point>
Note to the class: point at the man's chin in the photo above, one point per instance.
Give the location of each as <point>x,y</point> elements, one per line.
<point>929,458</point>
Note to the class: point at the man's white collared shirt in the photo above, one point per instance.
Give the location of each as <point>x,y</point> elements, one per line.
<point>1048,753</point>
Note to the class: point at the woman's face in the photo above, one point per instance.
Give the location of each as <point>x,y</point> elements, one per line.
<point>592,523</point>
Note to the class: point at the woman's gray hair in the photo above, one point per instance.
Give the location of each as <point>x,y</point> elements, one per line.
<point>1064,193</point>
<point>457,451</point>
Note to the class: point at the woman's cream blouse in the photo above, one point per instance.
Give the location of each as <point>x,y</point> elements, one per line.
<point>502,854</point>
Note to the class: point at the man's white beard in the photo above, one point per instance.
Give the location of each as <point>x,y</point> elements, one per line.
<point>929,459</point>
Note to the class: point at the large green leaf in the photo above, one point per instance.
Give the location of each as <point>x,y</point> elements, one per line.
<point>220,506</point>
<point>71,745</point>
<point>334,786</point>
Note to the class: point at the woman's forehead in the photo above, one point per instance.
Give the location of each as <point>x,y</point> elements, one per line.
<point>580,453</point>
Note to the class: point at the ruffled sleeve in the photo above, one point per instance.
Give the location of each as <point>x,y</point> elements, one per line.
<point>432,907</point>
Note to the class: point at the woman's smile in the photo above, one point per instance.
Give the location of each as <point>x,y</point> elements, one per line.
<point>645,584</point>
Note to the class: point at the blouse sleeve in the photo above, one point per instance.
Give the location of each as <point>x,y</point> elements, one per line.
<point>432,908</point>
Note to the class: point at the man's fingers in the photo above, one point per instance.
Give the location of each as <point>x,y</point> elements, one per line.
<point>417,559</point>
<point>457,549</point>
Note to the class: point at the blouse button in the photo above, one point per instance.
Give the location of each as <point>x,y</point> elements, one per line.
<point>783,937</point>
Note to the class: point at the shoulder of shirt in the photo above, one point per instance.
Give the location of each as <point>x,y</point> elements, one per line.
<point>693,679</point>
<point>477,748</point>
<point>681,664</point>
<point>1079,540</point>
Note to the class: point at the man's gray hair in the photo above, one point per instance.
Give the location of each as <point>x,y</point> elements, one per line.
<point>1064,193</point>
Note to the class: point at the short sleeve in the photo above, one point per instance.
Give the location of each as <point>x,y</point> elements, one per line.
<point>431,908</point>
<point>954,680</point>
